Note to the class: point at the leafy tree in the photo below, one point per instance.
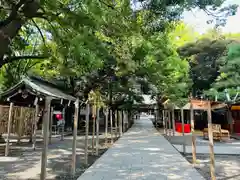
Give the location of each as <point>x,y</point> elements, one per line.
<point>229,77</point>
<point>90,44</point>
<point>204,57</point>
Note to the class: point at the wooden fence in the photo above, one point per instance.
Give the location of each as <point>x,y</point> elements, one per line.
<point>22,120</point>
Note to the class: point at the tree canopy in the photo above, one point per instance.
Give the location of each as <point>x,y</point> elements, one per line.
<point>105,45</point>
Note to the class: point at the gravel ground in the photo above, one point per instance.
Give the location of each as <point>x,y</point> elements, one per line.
<point>23,163</point>
<point>227,167</point>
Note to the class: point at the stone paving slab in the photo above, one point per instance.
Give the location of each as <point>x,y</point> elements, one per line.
<point>227,150</point>
<point>141,154</point>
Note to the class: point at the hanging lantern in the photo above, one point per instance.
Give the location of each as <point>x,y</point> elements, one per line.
<point>59,116</point>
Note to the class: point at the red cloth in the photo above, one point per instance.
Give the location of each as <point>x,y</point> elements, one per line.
<point>187,128</point>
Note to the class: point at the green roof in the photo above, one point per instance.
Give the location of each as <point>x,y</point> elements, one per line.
<point>38,88</point>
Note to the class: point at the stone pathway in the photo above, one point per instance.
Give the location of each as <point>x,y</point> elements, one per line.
<point>222,150</point>
<point>143,154</point>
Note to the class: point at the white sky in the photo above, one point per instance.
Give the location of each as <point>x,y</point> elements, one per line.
<point>198,19</point>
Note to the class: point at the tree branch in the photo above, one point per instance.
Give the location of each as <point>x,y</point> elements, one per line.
<point>17,58</point>
<point>13,13</point>
<point>39,30</point>
<point>108,5</point>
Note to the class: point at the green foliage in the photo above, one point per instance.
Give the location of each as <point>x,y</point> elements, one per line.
<point>205,59</point>
<point>98,45</point>
<point>229,72</point>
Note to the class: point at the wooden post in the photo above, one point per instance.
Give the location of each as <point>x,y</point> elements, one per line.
<point>20,121</point>
<point>193,135</point>
<point>156,116</point>
<point>210,136</point>
<point>32,127</point>
<point>106,125</point>
<point>93,133</point>
<point>45,138</point>
<point>35,125</point>
<point>120,123</point>
<point>229,116</point>
<point>10,114</point>
<point>63,124</point>
<point>123,121</point>
<point>169,123</point>
<point>74,145</point>
<point>86,133</point>
<point>164,124</point>
<point>97,131</point>
<point>111,125</point>
<point>50,124</point>
<point>183,131</point>
<point>127,122</point>
<point>173,122</point>
<point>116,124</point>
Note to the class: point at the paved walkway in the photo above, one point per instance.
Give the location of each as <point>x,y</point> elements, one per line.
<point>141,154</point>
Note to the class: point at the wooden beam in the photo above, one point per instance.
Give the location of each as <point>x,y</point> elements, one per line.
<point>193,135</point>
<point>10,115</point>
<point>86,133</point>
<point>47,108</point>
<point>183,131</point>
<point>35,125</point>
<point>210,136</point>
<point>74,143</point>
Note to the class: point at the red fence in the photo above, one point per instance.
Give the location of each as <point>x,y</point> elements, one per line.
<point>187,127</point>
